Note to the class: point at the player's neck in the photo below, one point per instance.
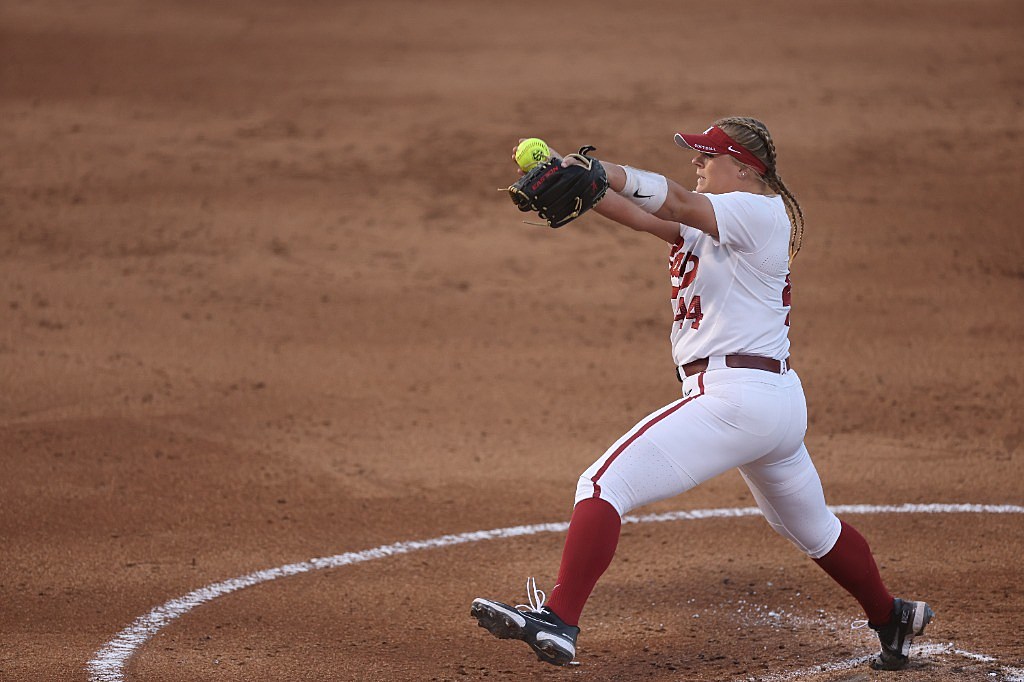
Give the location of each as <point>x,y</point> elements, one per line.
<point>756,186</point>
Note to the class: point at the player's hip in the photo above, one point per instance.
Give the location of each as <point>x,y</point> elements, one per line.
<point>716,373</point>
<point>725,419</point>
<point>769,406</point>
<point>753,409</point>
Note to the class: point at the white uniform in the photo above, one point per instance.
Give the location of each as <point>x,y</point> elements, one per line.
<point>729,297</point>
<point>733,300</point>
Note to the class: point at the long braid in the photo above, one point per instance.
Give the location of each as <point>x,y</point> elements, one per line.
<point>754,135</point>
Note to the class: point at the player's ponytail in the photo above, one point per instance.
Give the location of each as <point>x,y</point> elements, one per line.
<point>754,135</point>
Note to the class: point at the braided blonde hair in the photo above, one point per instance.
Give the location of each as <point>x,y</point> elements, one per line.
<point>754,135</point>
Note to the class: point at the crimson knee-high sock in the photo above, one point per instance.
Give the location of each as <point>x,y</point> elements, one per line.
<point>589,548</point>
<point>851,564</point>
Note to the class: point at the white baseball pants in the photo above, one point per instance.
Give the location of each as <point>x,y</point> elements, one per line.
<point>727,417</point>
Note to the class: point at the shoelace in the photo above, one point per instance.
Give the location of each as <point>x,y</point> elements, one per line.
<point>858,624</point>
<point>535,596</point>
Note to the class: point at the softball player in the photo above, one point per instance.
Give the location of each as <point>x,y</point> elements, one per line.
<point>742,405</point>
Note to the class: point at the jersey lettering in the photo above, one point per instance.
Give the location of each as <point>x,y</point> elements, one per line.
<point>787,297</point>
<point>683,271</point>
<point>681,268</point>
<point>689,312</point>
<point>693,312</point>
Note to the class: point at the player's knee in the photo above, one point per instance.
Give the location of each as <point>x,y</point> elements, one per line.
<point>813,539</point>
<point>586,488</point>
<point>825,538</point>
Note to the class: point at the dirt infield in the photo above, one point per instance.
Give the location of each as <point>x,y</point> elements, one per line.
<point>263,304</point>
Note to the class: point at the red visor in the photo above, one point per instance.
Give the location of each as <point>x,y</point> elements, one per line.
<point>714,140</point>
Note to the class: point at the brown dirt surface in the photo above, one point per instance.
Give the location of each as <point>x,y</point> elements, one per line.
<point>262,303</point>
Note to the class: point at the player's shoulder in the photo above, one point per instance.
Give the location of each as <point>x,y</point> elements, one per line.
<point>765,202</point>
<point>750,223</point>
<point>747,207</point>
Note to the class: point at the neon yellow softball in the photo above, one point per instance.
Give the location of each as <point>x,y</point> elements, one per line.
<point>532,152</point>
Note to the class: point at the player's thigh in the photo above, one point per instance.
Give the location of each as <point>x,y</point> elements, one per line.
<point>677,448</point>
<point>789,493</point>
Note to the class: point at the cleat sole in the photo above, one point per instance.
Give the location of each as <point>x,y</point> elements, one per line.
<point>495,621</point>
<point>551,654</point>
<point>889,662</point>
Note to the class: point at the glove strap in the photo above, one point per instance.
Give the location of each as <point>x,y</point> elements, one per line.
<point>582,157</point>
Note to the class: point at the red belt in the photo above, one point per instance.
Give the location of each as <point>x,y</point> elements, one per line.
<point>737,361</point>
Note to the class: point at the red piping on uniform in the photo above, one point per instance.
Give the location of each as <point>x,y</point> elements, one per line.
<point>641,431</point>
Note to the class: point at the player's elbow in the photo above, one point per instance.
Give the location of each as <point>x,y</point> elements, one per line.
<point>689,208</point>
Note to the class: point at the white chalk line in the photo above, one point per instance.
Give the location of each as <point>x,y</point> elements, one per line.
<point>933,649</point>
<point>108,663</point>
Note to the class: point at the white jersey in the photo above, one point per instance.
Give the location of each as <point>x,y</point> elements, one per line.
<point>731,295</point>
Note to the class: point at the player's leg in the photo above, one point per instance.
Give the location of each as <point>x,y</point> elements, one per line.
<point>550,629</point>
<point>788,490</point>
<point>672,450</point>
<point>789,493</point>
<point>667,453</point>
<point>642,473</point>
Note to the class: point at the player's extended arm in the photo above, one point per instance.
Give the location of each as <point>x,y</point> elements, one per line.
<point>624,212</point>
<point>681,205</point>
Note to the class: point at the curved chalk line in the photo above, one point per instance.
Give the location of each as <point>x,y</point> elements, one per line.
<point>932,649</point>
<point>107,664</point>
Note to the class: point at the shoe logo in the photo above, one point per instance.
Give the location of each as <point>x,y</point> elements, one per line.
<point>558,640</point>
<point>637,194</point>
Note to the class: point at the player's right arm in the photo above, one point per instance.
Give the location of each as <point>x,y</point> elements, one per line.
<point>680,205</point>
<point>625,212</point>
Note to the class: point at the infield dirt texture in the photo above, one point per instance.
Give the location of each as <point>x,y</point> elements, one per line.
<point>261,303</point>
